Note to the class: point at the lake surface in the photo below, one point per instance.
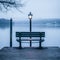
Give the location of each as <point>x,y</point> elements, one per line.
<point>52,36</point>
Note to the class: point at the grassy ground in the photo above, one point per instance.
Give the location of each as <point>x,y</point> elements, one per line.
<point>30,54</point>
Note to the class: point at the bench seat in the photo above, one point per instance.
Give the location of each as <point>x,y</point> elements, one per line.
<point>36,35</point>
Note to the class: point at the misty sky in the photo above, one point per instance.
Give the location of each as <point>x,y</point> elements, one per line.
<point>39,8</point>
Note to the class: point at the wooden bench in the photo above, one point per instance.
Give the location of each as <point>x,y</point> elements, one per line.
<point>32,34</point>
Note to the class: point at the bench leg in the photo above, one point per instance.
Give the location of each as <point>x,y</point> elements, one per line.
<point>30,43</point>
<point>40,44</point>
<point>20,43</point>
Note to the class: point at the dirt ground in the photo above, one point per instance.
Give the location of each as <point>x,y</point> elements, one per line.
<point>51,53</point>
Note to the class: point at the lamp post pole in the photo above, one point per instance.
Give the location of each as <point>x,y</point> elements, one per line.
<point>30,26</point>
<point>30,18</point>
<point>11,32</point>
<point>30,32</point>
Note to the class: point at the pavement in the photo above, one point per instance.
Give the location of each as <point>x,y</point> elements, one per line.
<point>50,53</point>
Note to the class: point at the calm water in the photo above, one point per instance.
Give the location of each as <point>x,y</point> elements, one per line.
<point>52,36</point>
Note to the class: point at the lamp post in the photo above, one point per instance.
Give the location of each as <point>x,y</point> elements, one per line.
<point>30,18</point>
<point>11,32</point>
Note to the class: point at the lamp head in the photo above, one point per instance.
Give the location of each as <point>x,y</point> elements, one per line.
<point>30,15</point>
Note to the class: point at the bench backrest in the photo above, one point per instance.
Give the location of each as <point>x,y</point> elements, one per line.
<point>28,34</point>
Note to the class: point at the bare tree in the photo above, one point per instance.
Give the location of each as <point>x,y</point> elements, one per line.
<point>7,4</point>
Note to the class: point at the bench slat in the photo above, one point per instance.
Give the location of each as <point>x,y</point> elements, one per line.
<point>31,40</point>
<point>28,34</point>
